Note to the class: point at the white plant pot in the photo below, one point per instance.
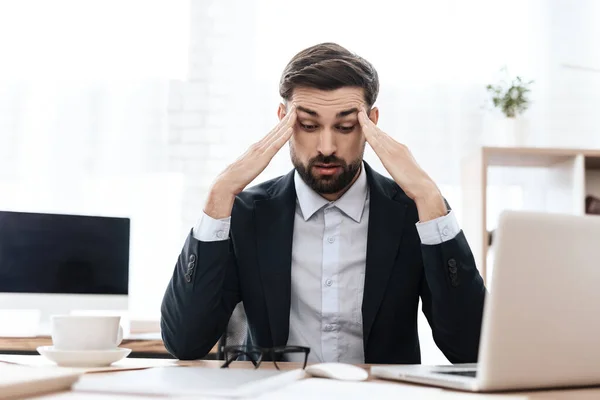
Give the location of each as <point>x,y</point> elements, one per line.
<point>505,132</point>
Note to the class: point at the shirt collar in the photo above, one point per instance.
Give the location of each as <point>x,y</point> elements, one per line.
<point>352,203</point>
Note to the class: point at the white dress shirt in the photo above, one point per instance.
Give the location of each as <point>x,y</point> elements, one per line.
<point>329,254</point>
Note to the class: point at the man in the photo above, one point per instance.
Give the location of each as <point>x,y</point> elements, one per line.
<point>333,255</point>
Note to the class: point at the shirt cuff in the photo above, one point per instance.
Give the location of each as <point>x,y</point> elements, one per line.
<point>438,230</point>
<point>211,230</point>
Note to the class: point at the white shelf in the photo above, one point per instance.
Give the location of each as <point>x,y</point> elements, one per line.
<point>550,179</point>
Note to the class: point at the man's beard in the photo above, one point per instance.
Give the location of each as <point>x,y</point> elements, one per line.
<point>327,184</point>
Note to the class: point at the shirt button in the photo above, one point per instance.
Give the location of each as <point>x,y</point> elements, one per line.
<point>328,328</point>
<point>220,235</point>
<point>329,282</point>
<point>445,231</point>
<point>331,239</point>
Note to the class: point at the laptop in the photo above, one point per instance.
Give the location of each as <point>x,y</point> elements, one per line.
<point>541,322</point>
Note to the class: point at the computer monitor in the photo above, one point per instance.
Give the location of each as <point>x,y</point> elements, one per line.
<point>58,264</point>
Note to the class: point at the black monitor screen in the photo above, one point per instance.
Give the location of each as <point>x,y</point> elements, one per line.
<point>51,253</point>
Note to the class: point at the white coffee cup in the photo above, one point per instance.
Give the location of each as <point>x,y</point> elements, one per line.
<point>78,332</point>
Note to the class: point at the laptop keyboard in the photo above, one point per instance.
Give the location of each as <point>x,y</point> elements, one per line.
<point>472,373</point>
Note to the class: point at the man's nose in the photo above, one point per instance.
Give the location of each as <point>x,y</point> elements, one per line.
<point>327,145</point>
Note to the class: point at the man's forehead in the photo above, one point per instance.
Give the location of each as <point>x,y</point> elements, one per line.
<point>328,102</point>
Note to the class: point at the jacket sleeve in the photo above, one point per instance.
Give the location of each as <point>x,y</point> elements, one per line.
<point>453,293</point>
<point>200,298</point>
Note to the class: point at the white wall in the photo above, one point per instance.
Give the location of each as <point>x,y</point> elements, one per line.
<point>208,113</point>
<point>84,91</point>
<point>574,73</point>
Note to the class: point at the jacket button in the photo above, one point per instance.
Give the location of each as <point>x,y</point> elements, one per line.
<point>191,265</point>
<point>452,262</point>
<point>188,278</point>
<point>192,258</point>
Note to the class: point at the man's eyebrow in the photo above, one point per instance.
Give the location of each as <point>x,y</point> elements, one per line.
<point>306,110</point>
<point>346,112</point>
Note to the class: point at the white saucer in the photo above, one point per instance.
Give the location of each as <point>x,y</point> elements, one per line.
<point>83,358</point>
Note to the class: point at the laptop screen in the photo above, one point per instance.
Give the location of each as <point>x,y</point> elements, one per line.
<point>52,253</point>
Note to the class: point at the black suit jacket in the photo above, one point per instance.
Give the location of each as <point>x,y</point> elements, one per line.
<point>254,266</point>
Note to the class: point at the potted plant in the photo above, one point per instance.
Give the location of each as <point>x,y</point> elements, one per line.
<point>510,97</point>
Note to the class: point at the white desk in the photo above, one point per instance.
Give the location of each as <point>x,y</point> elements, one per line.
<point>312,388</point>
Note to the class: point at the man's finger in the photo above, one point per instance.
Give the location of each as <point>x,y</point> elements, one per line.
<point>278,143</point>
<point>371,124</point>
<point>275,139</point>
<point>386,140</point>
<point>375,136</point>
<point>291,113</point>
<point>389,141</point>
<point>282,130</point>
<point>362,120</point>
<point>366,123</point>
<point>362,117</point>
<point>287,121</point>
<point>368,131</point>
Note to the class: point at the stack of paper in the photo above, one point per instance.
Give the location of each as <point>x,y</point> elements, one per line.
<point>18,381</point>
<point>190,381</point>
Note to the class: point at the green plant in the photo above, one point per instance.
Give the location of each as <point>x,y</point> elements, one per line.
<point>511,97</point>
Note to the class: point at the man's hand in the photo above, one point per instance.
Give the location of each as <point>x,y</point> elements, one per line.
<point>400,163</point>
<point>246,168</point>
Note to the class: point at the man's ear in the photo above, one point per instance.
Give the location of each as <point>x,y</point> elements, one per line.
<point>281,111</point>
<point>374,115</point>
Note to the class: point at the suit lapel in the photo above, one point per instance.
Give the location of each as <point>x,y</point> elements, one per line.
<point>386,222</point>
<point>274,231</point>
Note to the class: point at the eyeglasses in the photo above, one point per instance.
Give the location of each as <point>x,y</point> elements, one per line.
<point>256,354</point>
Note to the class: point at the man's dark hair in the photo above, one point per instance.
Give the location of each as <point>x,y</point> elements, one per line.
<point>329,66</point>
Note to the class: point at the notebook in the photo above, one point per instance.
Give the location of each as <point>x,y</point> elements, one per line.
<point>18,381</point>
